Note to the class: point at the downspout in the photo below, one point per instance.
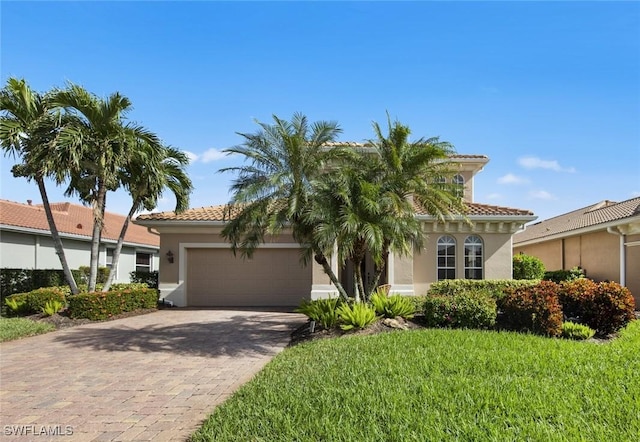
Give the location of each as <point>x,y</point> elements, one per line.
<point>623,263</point>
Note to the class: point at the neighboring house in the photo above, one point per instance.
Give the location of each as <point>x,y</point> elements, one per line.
<point>603,239</point>
<point>26,243</point>
<point>197,267</point>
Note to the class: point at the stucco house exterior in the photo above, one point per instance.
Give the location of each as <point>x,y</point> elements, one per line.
<point>26,243</point>
<point>197,267</point>
<point>603,239</point>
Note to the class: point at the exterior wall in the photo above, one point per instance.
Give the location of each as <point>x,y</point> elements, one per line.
<point>496,254</point>
<point>550,252</point>
<point>632,257</point>
<point>32,251</point>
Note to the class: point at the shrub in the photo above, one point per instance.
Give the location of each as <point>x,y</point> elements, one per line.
<point>128,286</point>
<point>496,287</point>
<point>52,307</point>
<point>357,315</point>
<point>323,311</point>
<point>559,276</point>
<point>17,304</point>
<point>572,330</point>
<point>527,267</point>
<point>470,309</point>
<point>536,309</point>
<point>417,302</point>
<point>606,306</point>
<point>101,278</point>
<point>392,306</point>
<point>149,278</point>
<point>37,299</point>
<point>103,305</point>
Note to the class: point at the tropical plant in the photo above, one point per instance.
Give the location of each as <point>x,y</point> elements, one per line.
<point>573,330</point>
<point>29,130</point>
<point>392,306</point>
<point>147,174</point>
<point>357,315</point>
<point>52,307</point>
<point>105,144</point>
<point>322,311</point>
<point>275,186</point>
<point>17,305</point>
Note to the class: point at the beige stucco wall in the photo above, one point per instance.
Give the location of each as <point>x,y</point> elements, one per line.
<point>633,267</point>
<point>550,252</point>
<point>497,259</point>
<point>600,256</point>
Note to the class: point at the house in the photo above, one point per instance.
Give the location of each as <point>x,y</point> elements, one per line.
<point>603,239</point>
<point>197,267</point>
<point>26,243</point>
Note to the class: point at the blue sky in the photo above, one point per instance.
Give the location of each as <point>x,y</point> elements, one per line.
<point>549,91</point>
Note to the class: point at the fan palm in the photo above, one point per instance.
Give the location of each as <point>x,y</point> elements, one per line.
<point>276,185</point>
<point>29,130</point>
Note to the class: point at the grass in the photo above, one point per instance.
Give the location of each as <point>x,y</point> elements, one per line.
<point>440,385</point>
<point>14,328</point>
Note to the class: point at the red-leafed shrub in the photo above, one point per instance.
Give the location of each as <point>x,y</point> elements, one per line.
<point>103,305</point>
<point>534,309</point>
<point>605,307</point>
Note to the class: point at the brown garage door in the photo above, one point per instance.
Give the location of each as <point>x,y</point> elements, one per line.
<point>273,277</point>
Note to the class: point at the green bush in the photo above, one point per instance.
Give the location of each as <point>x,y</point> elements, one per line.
<point>496,287</point>
<point>37,299</point>
<point>149,278</point>
<point>470,309</point>
<point>572,330</point>
<point>128,286</point>
<point>103,305</point>
<point>606,306</point>
<point>392,306</point>
<point>535,308</point>
<point>17,304</point>
<point>323,311</point>
<point>356,316</point>
<point>527,267</point>
<point>52,307</point>
<point>83,272</point>
<point>559,276</point>
<point>417,302</point>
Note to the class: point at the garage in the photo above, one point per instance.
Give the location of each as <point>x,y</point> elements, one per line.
<point>272,277</point>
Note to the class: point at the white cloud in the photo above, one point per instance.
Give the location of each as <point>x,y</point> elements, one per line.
<point>541,195</point>
<point>512,179</point>
<point>212,154</point>
<point>192,156</point>
<point>537,163</point>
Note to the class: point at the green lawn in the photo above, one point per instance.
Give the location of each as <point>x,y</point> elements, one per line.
<point>14,328</point>
<point>433,385</point>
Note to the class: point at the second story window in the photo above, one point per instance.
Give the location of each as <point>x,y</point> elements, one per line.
<point>458,182</point>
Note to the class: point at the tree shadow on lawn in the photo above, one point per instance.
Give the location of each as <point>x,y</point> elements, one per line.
<point>254,333</point>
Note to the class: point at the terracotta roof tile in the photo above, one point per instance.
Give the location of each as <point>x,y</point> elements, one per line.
<point>72,219</point>
<point>216,213</point>
<point>602,212</point>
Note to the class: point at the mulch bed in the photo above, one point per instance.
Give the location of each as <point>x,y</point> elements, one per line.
<point>62,319</point>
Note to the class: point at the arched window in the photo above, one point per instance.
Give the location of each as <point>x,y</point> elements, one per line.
<point>473,257</point>
<point>446,258</point>
<point>458,182</point>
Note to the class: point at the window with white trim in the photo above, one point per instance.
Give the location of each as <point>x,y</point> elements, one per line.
<point>473,257</point>
<point>446,258</point>
<point>143,262</point>
<point>109,262</point>
<point>458,182</point>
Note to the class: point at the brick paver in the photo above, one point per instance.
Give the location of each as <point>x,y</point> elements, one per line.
<point>149,377</point>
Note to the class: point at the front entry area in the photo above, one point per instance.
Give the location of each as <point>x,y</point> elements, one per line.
<point>347,275</point>
<point>273,277</point>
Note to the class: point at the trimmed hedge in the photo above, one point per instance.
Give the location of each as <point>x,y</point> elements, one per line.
<point>35,300</point>
<point>527,267</point>
<point>606,307</point>
<point>470,309</point>
<point>104,305</point>
<point>496,287</point>
<point>559,276</point>
<point>149,278</point>
<point>535,309</point>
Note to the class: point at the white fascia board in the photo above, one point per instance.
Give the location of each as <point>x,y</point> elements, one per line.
<point>64,235</point>
<point>484,218</point>
<point>576,232</point>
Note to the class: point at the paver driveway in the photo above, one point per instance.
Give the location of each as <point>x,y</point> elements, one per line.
<point>149,377</point>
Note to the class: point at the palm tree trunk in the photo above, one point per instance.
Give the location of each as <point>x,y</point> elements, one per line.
<point>57,242</point>
<point>118,249</point>
<point>357,270</point>
<point>98,221</point>
<point>379,270</point>
<point>322,260</point>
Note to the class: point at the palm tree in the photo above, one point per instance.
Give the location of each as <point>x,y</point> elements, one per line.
<point>148,173</point>
<point>29,129</point>
<point>409,175</point>
<point>97,129</point>
<point>275,186</point>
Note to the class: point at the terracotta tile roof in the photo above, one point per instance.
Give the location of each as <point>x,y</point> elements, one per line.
<point>216,213</point>
<point>599,213</point>
<point>72,219</point>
